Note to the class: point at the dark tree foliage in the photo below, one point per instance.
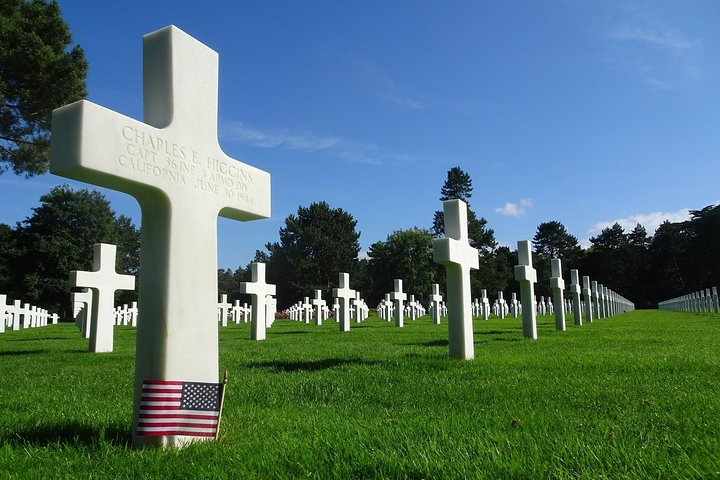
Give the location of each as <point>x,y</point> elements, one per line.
<point>703,232</point>
<point>606,258</point>
<point>38,73</point>
<point>59,238</point>
<point>638,272</point>
<point>315,246</point>
<point>406,255</point>
<point>496,273</point>
<point>667,252</point>
<point>458,185</point>
<point>552,240</point>
<point>7,252</point>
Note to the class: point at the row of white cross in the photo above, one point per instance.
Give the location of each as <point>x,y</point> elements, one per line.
<point>702,301</point>
<point>19,314</point>
<point>316,309</point>
<point>393,306</point>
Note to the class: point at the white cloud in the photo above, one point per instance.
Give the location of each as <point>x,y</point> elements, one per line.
<point>348,150</point>
<point>651,221</point>
<point>279,138</point>
<point>664,58</point>
<point>666,39</point>
<point>516,210</point>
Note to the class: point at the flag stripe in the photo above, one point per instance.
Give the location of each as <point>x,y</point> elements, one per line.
<point>162,382</point>
<point>163,432</point>
<point>172,415</point>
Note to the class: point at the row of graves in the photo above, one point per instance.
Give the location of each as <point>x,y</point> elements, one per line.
<point>172,164</point>
<point>702,301</point>
<point>316,309</point>
<point>19,314</point>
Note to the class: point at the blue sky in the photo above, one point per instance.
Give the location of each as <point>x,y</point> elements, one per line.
<point>577,111</point>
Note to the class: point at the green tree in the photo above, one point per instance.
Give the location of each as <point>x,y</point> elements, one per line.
<point>703,236</point>
<point>315,246</point>
<point>607,258</point>
<point>7,252</point>
<point>458,185</point>
<point>667,252</point>
<point>59,238</point>
<point>407,255</point>
<point>38,73</point>
<point>638,273</point>
<point>552,240</point>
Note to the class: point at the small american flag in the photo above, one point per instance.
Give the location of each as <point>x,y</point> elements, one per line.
<point>180,408</point>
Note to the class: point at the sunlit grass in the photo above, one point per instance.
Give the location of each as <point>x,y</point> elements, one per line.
<point>634,396</point>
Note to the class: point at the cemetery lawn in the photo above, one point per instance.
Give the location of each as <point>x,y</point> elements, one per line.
<point>634,396</point>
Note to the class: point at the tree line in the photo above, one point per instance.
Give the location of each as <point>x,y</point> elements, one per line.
<point>319,242</point>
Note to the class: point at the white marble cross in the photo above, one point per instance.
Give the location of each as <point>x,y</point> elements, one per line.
<point>358,307</point>
<point>17,311</point>
<point>557,284</point>
<point>458,257</point>
<point>318,303</point>
<point>270,310</point>
<point>173,165</point>
<point>4,312</point>
<point>587,296</point>
<point>133,312</point>
<point>258,290</point>
<point>485,304</point>
<point>223,309</point>
<point>103,281</point>
<point>398,297</point>
<point>344,294</point>
<point>526,275</point>
<point>83,301</point>
<point>436,303</point>
<point>502,305</point>
<point>575,292</point>
<point>596,299</point>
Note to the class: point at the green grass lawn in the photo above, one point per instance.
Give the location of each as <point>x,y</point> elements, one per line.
<point>634,396</point>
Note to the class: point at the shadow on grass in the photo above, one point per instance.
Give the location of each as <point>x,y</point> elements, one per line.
<point>296,332</point>
<point>309,365</point>
<point>72,433</point>
<point>22,352</point>
<point>500,339</point>
<point>40,339</point>
<point>497,332</point>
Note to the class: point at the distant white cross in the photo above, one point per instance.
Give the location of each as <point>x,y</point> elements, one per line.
<point>319,305</point>
<point>526,275</point>
<point>103,280</point>
<point>587,295</point>
<point>344,294</point>
<point>557,284</point>
<point>575,292</point>
<point>398,297</point>
<point>258,290</point>
<point>223,308</point>
<point>437,303</point>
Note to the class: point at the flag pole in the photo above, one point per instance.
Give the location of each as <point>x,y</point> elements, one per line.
<point>222,402</point>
